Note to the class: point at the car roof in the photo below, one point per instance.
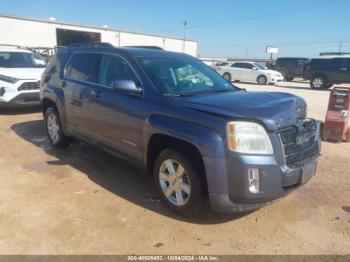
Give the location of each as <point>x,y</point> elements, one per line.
<point>132,51</point>
<point>7,49</point>
<point>249,62</point>
<point>331,56</point>
<point>286,57</point>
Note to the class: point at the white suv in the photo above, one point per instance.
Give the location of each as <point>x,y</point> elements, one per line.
<point>249,72</point>
<point>20,72</point>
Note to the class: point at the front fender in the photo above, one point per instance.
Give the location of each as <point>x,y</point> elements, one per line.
<point>209,143</point>
<point>206,140</point>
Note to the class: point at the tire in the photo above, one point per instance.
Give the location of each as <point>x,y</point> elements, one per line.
<point>289,78</point>
<point>227,76</point>
<point>54,128</point>
<point>185,196</point>
<point>319,82</point>
<point>262,80</point>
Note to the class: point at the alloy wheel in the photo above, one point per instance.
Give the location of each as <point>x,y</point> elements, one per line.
<point>53,128</point>
<point>174,182</point>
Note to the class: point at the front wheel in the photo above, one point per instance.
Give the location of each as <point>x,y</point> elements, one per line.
<point>54,128</point>
<point>178,183</point>
<point>262,80</point>
<point>227,77</point>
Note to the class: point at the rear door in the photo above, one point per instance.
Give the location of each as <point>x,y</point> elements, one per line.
<point>238,72</point>
<point>116,118</point>
<point>80,73</point>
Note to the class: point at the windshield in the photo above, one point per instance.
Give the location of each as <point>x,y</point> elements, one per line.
<point>260,66</point>
<point>183,76</point>
<point>21,60</point>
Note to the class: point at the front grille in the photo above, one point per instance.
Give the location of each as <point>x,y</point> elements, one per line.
<point>300,143</point>
<point>29,86</point>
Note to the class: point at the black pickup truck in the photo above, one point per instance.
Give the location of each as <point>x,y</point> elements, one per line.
<point>324,72</point>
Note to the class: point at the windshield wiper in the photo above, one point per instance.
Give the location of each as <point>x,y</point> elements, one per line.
<point>223,90</point>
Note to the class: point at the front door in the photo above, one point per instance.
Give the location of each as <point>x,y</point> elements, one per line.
<point>118,117</point>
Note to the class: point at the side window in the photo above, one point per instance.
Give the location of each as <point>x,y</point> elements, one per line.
<point>114,68</point>
<point>338,62</point>
<point>281,62</point>
<point>248,66</point>
<point>302,62</point>
<point>347,62</point>
<point>238,65</point>
<point>83,66</point>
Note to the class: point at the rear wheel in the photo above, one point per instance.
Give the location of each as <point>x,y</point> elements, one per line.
<point>54,128</point>
<point>262,80</point>
<point>227,76</point>
<point>178,183</point>
<point>319,82</point>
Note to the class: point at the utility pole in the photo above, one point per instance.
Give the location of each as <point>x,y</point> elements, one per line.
<point>184,23</point>
<point>340,46</point>
<point>246,52</point>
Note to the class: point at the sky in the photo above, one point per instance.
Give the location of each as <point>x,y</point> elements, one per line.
<point>223,28</point>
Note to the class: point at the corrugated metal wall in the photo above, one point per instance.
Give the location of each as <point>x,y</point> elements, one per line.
<point>35,33</point>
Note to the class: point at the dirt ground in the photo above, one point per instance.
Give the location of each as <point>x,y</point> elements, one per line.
<point>84,201</point>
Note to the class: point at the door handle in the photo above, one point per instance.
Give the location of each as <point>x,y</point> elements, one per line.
<point>96,93</point>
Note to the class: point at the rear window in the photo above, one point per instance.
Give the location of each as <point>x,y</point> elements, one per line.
<point>83,66</point>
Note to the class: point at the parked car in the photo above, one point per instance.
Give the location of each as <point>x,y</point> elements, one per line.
<point>324,72</point>
<point>20,72</point>
<point>249,72</point>
<point>196,134</point>
<point>291,67</point>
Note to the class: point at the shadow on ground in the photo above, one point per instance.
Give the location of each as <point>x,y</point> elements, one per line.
<point>115,175</point>
<point>19,111</point>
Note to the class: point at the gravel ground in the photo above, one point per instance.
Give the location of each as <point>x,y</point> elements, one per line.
<point>84,201</point>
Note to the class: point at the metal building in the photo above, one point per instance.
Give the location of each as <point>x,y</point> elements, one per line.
<point>50,34</point>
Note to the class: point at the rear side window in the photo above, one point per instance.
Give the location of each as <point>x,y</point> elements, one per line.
<point>83,67</point>
<point>238,65</point>
<point>302,62</point>
<point>281,61</point>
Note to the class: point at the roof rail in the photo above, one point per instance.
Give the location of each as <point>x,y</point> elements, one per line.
<point>93,44</point>
<point>334,53</point>
<point>145,46</point>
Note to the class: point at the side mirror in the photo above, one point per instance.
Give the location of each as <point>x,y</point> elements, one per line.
<point>126,86</point>
<point>254,68</point>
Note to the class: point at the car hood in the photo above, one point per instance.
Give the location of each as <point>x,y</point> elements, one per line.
<point>22,73</point>
<point>274,109</point>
